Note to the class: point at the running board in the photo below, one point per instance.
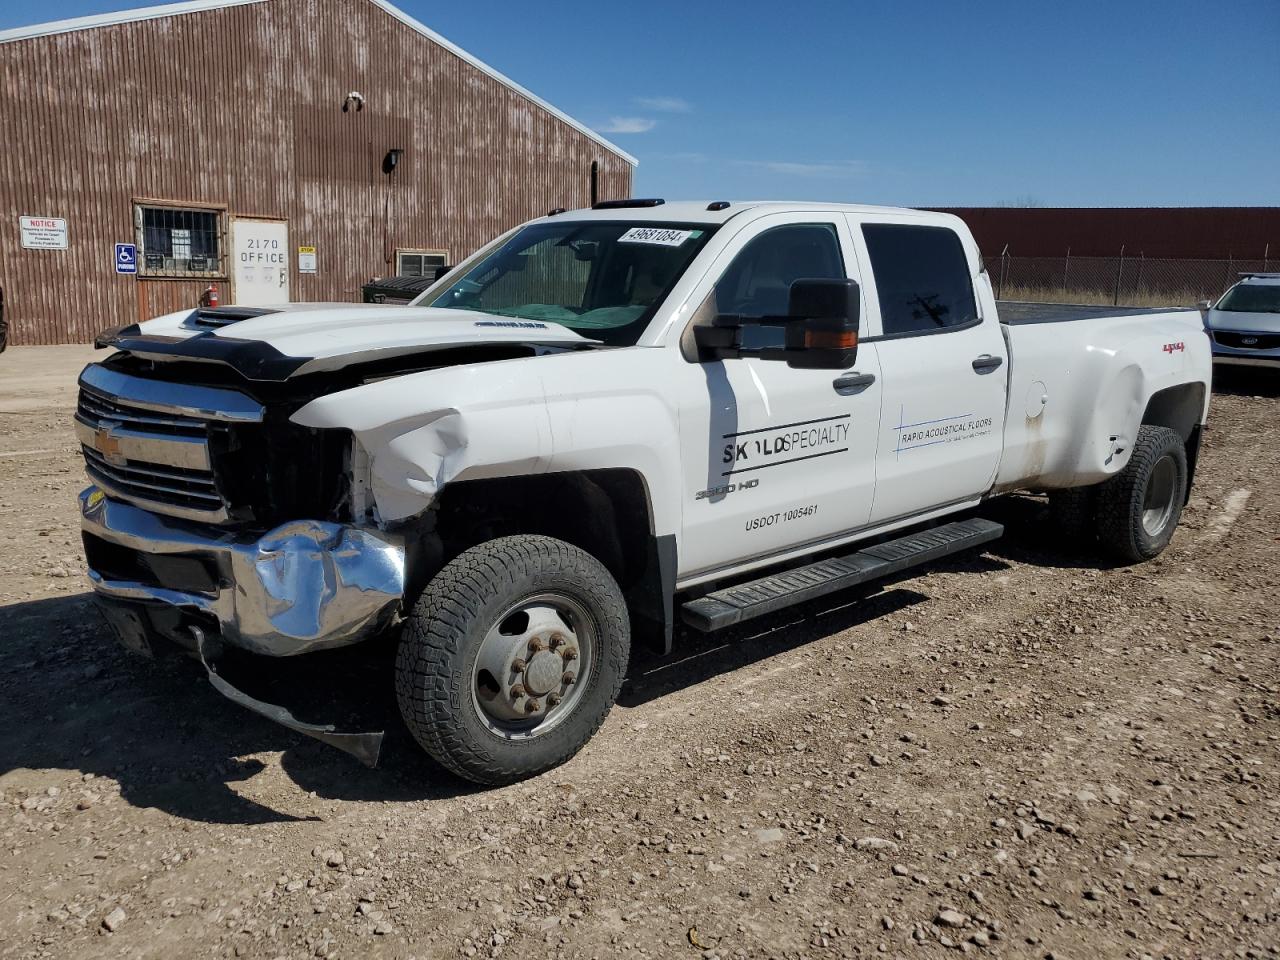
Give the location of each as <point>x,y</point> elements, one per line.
<point>732,605</point>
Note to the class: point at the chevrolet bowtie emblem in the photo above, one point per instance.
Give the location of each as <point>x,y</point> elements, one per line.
<point>108,444</point>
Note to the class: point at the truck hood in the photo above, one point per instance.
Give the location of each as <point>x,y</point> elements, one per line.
<point>279,343</point>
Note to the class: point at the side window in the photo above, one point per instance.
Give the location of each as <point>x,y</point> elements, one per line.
<point>758,281</point>
<point>922,277</point>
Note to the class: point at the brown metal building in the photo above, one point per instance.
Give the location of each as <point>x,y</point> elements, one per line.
<point>278,149</point>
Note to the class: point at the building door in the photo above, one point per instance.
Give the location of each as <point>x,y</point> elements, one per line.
<point>259,262</point>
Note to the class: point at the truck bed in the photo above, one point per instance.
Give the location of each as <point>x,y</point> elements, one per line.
<point>1017,312</point>
<point>1077,391</point>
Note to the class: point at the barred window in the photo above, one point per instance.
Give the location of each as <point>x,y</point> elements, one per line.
<point>179,241</point>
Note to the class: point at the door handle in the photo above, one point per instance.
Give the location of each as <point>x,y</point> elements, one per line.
<point>986,363</point>
<point>852,383</point>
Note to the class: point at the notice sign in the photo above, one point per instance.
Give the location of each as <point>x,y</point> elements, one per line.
<point>43,233</point>
<point>306,259</point>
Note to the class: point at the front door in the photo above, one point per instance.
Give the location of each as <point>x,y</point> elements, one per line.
<point>260,262</point>
<point>775,457</point>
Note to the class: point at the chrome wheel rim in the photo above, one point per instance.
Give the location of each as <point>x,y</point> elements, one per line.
<point>533,665</point>
<point>1158,502</point>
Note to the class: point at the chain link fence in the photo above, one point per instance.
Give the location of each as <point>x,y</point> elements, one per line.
<point>1117,281</point>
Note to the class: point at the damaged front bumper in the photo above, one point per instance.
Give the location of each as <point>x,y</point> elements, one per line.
<point>306,585</point>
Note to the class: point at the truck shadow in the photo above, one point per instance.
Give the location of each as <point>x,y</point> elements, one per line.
<point>1030,537</point>
<point>76,701</point>
<point>1246,381</point>
<point>698,657</point>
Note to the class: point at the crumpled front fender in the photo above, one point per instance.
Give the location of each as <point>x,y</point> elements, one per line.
<point>410,459</point>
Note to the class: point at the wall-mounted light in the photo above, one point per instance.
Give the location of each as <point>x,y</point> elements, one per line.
<point>354,98</point>
<point>391,160</point>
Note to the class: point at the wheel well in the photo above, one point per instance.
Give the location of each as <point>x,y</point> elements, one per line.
<point>604,512</point>
<point>1179,408</point>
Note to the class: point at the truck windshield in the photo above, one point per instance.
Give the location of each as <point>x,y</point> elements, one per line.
<point>603,279</point>
<point>1252,298</point>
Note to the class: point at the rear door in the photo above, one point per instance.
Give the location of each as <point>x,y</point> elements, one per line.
<point>774,457</point>
<point>944,368</point>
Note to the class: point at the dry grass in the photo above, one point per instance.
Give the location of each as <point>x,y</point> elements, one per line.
<point>1139,298</point>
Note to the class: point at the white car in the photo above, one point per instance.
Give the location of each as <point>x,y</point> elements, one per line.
<point>603,421</point>
<point>1245,322</point>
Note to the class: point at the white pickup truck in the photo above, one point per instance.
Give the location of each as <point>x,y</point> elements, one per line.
<point>601,421</point>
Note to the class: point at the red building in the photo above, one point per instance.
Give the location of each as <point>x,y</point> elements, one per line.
<point>1212,233</point>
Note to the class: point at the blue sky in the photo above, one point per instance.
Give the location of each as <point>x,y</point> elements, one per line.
<point>919,103</point>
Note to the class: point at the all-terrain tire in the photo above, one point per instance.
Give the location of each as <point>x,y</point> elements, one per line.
<point>442,637</point>
<point>1157,467</point>
<point>1074,513</point>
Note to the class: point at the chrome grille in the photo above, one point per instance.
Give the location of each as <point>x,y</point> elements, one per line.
<point>146,441</point>
<point>139,480</point>
<point>94,407</point>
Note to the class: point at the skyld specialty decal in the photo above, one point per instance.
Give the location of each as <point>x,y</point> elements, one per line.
<point>927,433</point>
<point>786,443</point>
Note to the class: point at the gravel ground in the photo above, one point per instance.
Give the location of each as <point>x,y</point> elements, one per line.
<point>1021,753</point>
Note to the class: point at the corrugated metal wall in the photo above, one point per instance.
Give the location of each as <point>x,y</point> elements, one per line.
<point>242,107</point>
<point>1215,233</point>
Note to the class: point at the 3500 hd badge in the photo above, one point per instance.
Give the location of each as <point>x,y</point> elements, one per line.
<point>726,489</point>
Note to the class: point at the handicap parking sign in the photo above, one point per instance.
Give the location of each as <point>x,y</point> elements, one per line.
<point>126,258</point>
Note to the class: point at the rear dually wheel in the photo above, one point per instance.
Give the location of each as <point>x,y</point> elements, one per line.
<point>1139,508</point>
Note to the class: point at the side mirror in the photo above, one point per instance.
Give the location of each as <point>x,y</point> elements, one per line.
<point>823,330</point>
<point>820,328</point>
<point>1205,304</point>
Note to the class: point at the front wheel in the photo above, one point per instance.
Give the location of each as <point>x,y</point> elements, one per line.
<point>1139,508</point>
<point>512,658</point>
